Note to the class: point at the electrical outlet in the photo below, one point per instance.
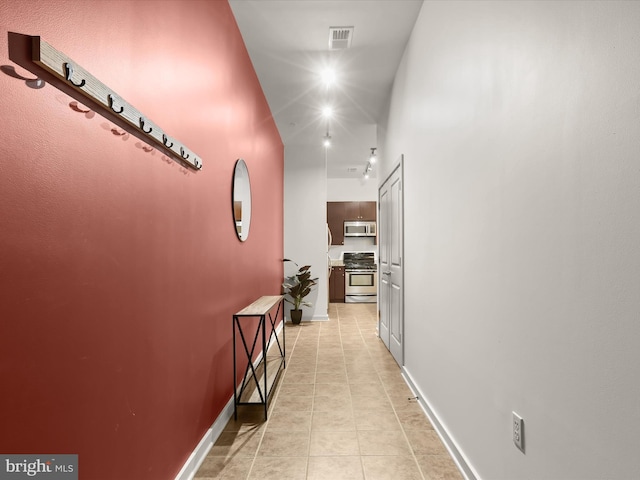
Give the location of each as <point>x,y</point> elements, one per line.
<point>518,431</point>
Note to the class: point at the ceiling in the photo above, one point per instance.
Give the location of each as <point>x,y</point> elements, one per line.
<point>288,42</point>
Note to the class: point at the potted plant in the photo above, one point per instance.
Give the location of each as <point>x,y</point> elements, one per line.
<point>297,287</point>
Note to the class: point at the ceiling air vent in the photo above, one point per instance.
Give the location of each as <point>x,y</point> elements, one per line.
<point>340,37</point>
<point>352,169</point>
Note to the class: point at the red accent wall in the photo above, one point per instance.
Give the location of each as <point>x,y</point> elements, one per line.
<point>120,269</point>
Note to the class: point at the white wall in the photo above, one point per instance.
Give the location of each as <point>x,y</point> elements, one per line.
<point>352,190</point>
<point>305,221</point>
<point>520,125</point>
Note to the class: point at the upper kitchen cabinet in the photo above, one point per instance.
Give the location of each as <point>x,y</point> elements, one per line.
<point>339,212</point>
<point>369,211</point>
<point>360,211</point>
<point>335,219</point>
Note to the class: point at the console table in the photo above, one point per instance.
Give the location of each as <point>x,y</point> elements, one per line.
<point>259,379</point>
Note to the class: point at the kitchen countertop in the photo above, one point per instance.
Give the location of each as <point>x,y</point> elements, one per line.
<point>336,262</point>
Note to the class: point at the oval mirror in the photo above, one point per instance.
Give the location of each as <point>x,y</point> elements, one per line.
<point>241,197</point>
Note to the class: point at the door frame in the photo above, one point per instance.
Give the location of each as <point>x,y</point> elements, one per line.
<point>398,166</point>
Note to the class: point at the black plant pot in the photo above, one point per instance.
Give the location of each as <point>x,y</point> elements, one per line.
<point>296,316</point>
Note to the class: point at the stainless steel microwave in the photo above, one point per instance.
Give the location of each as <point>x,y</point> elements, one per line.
<point>359,229</point>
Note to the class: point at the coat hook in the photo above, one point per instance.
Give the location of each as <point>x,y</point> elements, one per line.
<point>165,140</point>
<point>68,72</point>
<point>197,163</point>
<point>110,99</point>
<point>182,153</point>
<point>142,126</point>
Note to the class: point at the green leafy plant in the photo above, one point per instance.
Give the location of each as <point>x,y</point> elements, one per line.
<point>298,286</point>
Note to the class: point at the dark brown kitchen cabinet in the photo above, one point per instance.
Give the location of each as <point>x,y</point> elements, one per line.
<point>339,212</point>
<point>368,211</point>
<point>335,219</point>
<point>336,285</point>
<point>355,211</point>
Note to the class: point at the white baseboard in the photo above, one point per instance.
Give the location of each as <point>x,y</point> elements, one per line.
<point>456,454</point>
<point>196,458</point>
<point>191,466</point>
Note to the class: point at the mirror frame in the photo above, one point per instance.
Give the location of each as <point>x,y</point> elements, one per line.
<point>241,193</point>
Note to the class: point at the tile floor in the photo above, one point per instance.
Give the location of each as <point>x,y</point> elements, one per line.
<point>341,410</point>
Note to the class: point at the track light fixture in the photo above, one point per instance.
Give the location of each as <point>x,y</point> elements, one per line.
<point>326,140</point>
<point>369,166</point>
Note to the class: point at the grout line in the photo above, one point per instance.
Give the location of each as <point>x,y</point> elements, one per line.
<point>313,399</point>
<point>373,356</point>
<point>272,404</point>
<point>354,419</point>
<point>341,318</point>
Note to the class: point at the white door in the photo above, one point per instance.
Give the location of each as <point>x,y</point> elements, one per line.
<point>383,263</point>
<point>391,326</point>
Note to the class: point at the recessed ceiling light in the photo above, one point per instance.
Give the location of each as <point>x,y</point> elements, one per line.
<point>328,77</point>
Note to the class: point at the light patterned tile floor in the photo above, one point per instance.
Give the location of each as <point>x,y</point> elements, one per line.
<point>341,410</point>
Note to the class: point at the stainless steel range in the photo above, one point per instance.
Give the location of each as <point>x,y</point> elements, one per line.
<point>361,277</point>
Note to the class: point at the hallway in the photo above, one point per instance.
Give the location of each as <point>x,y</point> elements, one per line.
<point>341,411</point>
